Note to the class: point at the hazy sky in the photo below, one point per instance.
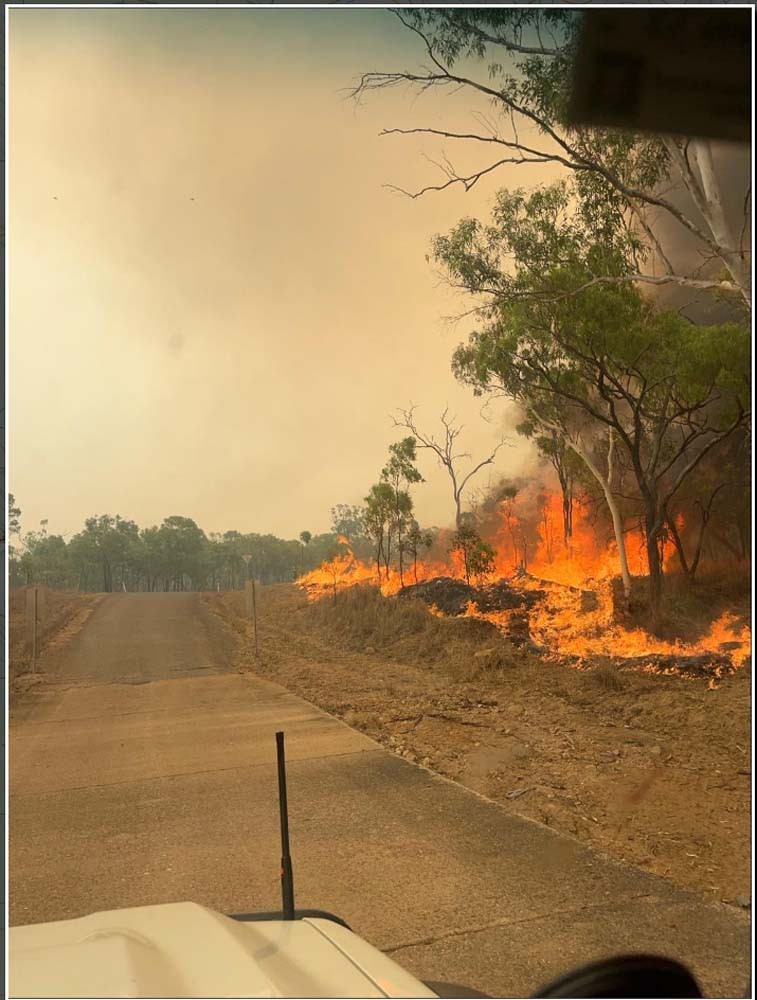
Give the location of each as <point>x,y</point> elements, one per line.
<point>214,303</point>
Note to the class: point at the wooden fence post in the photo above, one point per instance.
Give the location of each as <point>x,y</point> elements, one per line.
<point>32,598</point>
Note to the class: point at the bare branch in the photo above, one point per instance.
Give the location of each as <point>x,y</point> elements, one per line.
<point>445,451</point>
<point>426,41</point>
<point>467,182</point>
<point>486,461</point>
<point>570,155</point>
<point>513,46</point>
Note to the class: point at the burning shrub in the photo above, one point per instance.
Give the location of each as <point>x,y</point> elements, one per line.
<point>477,555</point>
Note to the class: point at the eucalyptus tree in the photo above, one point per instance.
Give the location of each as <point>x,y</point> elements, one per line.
<point>518,64</point>
<point>608,364</point>
<point>400,472</point>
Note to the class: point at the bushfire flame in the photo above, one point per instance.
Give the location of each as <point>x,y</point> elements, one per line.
<point>560,622</point>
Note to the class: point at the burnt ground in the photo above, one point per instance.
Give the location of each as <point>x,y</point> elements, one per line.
<point>653,770</point>
<point>518,600</point>
<point>451,595</point>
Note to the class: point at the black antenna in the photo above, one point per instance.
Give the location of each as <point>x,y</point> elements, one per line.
<point>287,881</point>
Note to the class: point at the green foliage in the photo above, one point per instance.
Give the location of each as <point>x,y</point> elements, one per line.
<point>457,35</point>
<point>606,354</point>
<point>379,511</point>
<point>182,545</point>
<point>107,542</point>
<point>478,555</point>
<point>400,473</point>
<point>45,558</point>
<point>531,234</point>
<point>401,465</point>
<point>378,507</point>
<point>348,520</point>
<point>112,553</point>
<point>608,362</point>
<point>14,516</point>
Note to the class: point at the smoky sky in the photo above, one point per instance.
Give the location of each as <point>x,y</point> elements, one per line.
<point>215,301</point>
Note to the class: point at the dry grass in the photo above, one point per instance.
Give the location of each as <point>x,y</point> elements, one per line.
<point>427,697</point>
<point>363,617</point>
<point>403,629</point>
<point>607,677</point>
<point>65,611</point>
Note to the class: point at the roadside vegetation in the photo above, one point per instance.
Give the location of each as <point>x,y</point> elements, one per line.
<point>363,619</point>
<point>63,614</point>
<point>603,755</point>
<point>629,358</point>
<point>112,553</point>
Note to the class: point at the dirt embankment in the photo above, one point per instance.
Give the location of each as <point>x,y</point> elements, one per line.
<point>61,614</point>
<point>653,770</point>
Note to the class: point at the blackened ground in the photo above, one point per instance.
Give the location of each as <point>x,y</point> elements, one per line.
<point>452,596</point>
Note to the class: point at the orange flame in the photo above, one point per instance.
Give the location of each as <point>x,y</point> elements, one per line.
<point>562,621</point>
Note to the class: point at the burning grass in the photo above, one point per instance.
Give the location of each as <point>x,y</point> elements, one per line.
<point>565,607</point>
<point>705,627</point>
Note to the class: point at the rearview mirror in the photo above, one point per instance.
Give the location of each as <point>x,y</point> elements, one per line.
<point>628,977</point>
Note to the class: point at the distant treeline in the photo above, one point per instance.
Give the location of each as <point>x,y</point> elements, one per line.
<point>112,553</point>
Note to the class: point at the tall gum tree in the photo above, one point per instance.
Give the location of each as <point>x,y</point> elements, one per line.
<point>379,508</point>
<point>608,363</point>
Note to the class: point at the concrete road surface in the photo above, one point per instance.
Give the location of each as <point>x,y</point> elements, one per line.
<point>144,772</point>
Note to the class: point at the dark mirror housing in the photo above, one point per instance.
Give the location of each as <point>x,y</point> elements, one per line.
<point>628,977</point>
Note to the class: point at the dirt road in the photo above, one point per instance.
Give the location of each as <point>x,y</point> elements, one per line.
<point>142,771</point>
<point>138,638</point>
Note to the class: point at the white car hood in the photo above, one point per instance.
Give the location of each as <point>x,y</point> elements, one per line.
<point>186,950</point>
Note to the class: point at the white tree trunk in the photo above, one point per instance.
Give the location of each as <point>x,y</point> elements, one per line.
<point>715,217</point>
<point>705,193</point>
<point>605,483</point>
<point>617,520</point>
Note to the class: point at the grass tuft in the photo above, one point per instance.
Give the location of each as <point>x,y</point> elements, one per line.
<point>607,677</point>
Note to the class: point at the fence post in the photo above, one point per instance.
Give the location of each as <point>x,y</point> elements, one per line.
<point>43,595</point>
<point>254,617</point>
<point>251,607</point>
<point>32,598</point>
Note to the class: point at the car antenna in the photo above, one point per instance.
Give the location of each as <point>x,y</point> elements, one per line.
<point>287,881</point>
